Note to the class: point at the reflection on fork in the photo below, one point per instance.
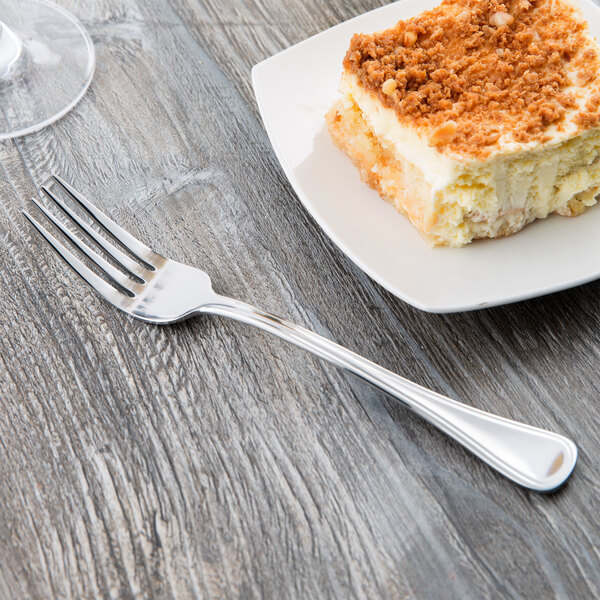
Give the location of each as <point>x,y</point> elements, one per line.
<point>150,287</point>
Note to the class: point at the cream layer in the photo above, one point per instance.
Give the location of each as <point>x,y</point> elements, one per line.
<point>471,198</point>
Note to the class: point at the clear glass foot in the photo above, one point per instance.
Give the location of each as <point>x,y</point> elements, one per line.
<point>46,65</point>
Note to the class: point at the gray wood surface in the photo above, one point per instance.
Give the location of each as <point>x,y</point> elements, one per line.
<point>209,460</point>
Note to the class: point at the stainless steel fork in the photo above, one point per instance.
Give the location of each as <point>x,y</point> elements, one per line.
<point>156,289</point>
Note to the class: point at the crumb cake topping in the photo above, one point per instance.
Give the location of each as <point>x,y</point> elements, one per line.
<point>470,73</point>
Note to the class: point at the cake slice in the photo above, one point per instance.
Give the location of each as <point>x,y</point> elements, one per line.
<point>476,117</point>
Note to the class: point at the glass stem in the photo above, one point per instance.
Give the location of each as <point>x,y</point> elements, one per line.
<point>11,48</point>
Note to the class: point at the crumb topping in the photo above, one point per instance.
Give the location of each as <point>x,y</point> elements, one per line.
<point>472,71</point>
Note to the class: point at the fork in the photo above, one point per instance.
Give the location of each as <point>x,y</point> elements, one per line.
<point>155,289</point>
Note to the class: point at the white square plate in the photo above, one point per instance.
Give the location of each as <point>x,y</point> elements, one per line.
<point>294,90</point>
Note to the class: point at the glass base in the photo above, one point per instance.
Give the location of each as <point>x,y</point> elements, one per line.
<point>46,64</point>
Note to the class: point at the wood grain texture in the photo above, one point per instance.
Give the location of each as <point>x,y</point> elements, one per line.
<point>209,460</point>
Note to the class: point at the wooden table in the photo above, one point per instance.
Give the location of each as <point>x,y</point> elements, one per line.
<point>210,460</point>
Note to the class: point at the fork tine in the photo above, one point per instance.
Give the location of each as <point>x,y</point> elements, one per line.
<point>97,283</point>
<point>131,243</point>
<point>125,261</point>
<point>113,273</point>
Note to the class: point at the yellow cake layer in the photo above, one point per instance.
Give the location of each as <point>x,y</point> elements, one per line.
<point>473,199</point>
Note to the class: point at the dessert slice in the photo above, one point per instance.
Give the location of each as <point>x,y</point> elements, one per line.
<point>476,117</point>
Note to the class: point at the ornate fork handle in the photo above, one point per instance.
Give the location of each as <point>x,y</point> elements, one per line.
<point>534,458</point>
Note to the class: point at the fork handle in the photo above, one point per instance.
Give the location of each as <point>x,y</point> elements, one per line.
<point>536,459</point>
